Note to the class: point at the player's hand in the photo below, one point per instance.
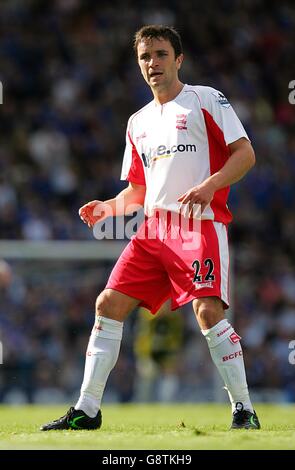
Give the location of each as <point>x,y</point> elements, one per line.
<point>93,212</point>
<point>200,195</point>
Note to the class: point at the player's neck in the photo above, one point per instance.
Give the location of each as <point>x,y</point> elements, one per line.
<point>165,95</point>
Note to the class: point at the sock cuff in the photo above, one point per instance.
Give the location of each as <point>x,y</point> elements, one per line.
<point>218,333</point>
<point>107,328</point>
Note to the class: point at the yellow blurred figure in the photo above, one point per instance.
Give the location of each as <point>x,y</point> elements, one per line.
<point>158,340</point>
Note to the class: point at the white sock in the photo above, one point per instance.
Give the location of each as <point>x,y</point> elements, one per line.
<point>102,354</point>
<point>226,352</point>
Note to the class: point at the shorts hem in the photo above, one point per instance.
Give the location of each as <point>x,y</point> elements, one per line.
<point>122,291</point>
<point>141,302</point>
<point>176,305</point>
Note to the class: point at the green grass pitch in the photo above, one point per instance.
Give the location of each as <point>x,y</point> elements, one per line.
<point>152,426</point>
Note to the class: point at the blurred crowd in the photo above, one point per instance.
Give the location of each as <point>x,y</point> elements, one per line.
<point>70,82</point>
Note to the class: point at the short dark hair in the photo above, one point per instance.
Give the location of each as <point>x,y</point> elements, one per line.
<point>156,32</point>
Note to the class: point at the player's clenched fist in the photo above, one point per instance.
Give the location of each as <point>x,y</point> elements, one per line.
<point>93,212</point>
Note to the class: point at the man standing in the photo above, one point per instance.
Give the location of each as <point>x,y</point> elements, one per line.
<point>183,150</point>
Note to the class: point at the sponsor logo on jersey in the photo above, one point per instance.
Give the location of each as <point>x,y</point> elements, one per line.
<point>162,151</point>
<point>221,99</point>
<point>181,121</point>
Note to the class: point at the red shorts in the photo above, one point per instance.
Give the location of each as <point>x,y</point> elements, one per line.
<point>173,260</point>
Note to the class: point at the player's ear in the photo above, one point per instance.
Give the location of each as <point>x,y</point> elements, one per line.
<point>179,61</point>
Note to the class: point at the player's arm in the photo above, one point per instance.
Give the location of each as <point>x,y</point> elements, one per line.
<point>241,159</point>
<point>126,202</point>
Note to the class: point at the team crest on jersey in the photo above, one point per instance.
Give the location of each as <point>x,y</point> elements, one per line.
<point>181,121</point>
<point>221,99</point>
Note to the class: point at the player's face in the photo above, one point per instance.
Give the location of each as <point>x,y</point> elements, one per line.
<point>158,65</point>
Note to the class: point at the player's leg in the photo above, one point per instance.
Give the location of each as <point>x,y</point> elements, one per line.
<point>112,307</point>
<point>198,272</point>
<point>138,274</point>
<point>226,352</point>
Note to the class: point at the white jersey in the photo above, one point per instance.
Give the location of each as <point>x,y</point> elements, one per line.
<point>173,147</point>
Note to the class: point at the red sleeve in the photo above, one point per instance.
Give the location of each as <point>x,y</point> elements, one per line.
<point>136,172</point>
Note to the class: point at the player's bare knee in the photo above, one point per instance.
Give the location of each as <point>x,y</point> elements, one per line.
<point>208,312</point>
<point>204,314</point>
<point>103,305</point>
<point>108,306</point>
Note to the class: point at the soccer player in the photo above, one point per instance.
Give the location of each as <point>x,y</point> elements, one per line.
<point>183,150</point>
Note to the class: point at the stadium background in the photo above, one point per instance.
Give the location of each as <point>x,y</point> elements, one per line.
<point>70,82</point>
